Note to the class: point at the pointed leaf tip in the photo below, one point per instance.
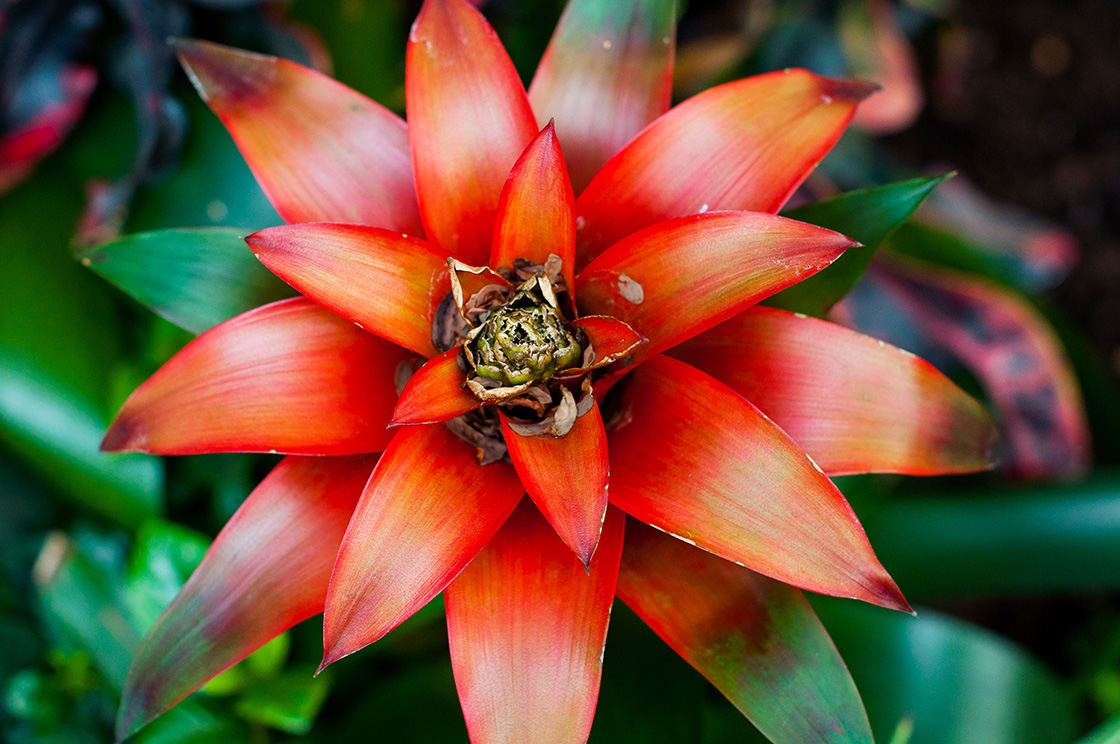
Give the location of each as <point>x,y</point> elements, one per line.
<point>839,89</point>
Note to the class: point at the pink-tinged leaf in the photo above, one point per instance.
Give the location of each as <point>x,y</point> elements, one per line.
<point>678,278</point>
<point>853,403</point>
<point>567,478</point>
<point>606,74</point>
<point>266,571</point>
<point>757,640</point>
<point>695,459</point>
<point>742,145</point>
<point>878,50</point>
<point>470,120</point>
<point>387,283</point>
<point>436,392</point>
<point>321,151</point>
<point>1037,254</point>
<point>425,513</point>
<point>288,377</point>
<point>535,211</point>
<point>1010,348</point>
<point>59,102</point>
<point>527,625</point>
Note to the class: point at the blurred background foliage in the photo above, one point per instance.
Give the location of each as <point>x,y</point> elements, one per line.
<point>1005,278</point>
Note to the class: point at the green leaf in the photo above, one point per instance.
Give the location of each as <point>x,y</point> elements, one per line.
<point>192,721</point>
<point>267,660</point>
<point>162,560</point>
<point>938,545</point>
<point>288,703</point>
<point>1107,733</point>
<point>58,432</point>
<point>212,185</point>
<point>195,278</point>
<point>959,684</point>
<point>82,603</point>
<point>867,215</point>
<point>937,246</point>
<point>59,344</point>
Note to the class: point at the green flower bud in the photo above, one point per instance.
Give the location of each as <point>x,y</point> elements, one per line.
<point>521,343</point>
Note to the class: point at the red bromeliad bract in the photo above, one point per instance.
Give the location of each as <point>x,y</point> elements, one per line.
<point>546,410</point>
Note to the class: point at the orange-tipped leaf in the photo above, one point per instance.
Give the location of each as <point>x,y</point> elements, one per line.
<point>469,121</point>
<point>288,377</point>
<point>527,624</point>
<point>742,145</point>
<point>266,571</point>
<point>853,403</point>
<point>695,459</point>
<point>320,151</point>
<point>436,392</point>
<point>567,478</point>
<point>387,283</point>
<point>426,512</point>
<point>678,278</point>
<point>535,211</point>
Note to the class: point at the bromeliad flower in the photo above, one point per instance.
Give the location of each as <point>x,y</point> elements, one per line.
<point>543,319</point>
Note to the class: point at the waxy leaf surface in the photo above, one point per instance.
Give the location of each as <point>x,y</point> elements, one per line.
<point>527,624</point>
<point>676,279</point>
<point>757,640</point>
<point>535,211</point>
<point>695,459</point>
<point>469,121</point>
<point>266,571</point>
<point>567,478</point>
<point>426,512</point>
<point>607,72</point>
<point>288,377</point>
<point>387,283</point>
<point>742,145</point>
<point>435,392</point>
<point>320,151</point>
<point>853,403</point>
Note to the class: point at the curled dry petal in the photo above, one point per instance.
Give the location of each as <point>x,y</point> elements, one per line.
<point>468,281</point>
<point>567,478</point>
<point>678,278</point>
<point>426,512</point>
<point>266,571</point>
<point>695,459</point>
<point>527,625</point>
<point>742,145</point>
<point>853,403</point>
<point>387,283</point>
<point>287,377</point>
<point>469,121</point>
<point>320,151</point>
<point>757,640</point>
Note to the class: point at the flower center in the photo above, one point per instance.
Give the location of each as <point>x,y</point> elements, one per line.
<point>523,342</point>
